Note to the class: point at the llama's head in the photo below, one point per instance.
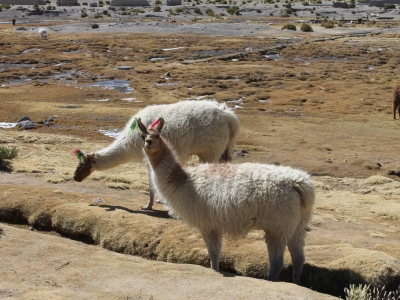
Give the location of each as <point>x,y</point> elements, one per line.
<point>151,135</point>
<point>84,168</point>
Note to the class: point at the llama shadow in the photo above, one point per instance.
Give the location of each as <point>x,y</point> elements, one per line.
<point>319,279</point>
<point>152,213</point>
<point>333,281</point>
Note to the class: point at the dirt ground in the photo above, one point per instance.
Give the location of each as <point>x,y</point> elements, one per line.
<point>320,102</point>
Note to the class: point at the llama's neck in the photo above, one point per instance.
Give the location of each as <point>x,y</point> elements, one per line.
<point>127,147</point>
<point>168,174</point>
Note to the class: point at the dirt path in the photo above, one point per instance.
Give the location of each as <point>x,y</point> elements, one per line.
<point>37,266</point>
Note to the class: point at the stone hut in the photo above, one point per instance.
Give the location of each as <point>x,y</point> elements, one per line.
<point>23,2</point>
<point>174,2</point>
<point>129,3</point>
<point>67,3</point>
<point>340,5</point>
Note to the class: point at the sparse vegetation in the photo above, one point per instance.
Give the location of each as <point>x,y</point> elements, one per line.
<point>157,9</point>
<point>389,6</point>
<point>84,14</point>
<point>209,12</point>
<point>95,26</point>
<point>366,292</point>
<point>233,10</point>
<point>328,24</point>
<point>306,27</point>
<point>289,27</point>
<point>7,154</point>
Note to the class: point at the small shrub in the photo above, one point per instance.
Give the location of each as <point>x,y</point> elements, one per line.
<point>84,3</point>
<point>389,6</point>
<point>158,2</point>
<point>233,10</point>
<point>305,3</point>
<point>8,153</point>
<point>105,12</point>
<point>95,26</point>
<point>84,15</point>
<point>366,292</point>
<point>306,28</point>
<point>209,12</point>
<point>328,24</point>
<point>197,10</point>
<point>258,10</point>
<point>156,9</point>
<point>179,10</point>
<point>289,27</point>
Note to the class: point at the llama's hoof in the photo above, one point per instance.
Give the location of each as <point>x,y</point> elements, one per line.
<point>160,201</point>
<point>147,208</point>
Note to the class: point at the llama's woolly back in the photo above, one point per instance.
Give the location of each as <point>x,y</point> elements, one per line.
<point>240,197</point>
<point>192,127</point>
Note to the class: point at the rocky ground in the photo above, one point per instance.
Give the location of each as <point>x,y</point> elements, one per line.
<point>319,101</point>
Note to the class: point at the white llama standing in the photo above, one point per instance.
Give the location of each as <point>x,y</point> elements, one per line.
<point>233,199</point>
<point>43,33</point>
<point>203,128</point>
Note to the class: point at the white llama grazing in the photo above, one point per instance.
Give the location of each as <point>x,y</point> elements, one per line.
<point>43,33</point>
<point>233,199</point>
<point>203,128</point>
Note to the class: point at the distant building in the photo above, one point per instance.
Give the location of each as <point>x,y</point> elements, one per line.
<point>381,3</point>
<point>129,3</point>
<point>340,5</point>
<point>23,2</point>
<point>174,2</point>
<point>67,3</point>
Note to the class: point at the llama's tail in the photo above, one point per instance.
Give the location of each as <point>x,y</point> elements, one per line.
<point>233,123</point>
<point>306,190</point>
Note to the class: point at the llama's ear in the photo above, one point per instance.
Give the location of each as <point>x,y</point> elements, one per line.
<point>160,125</point>
<point>141,126</point>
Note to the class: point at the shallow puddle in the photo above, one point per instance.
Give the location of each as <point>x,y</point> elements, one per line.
<point>118,85</point>
<point>30,51</point>
<point>4,67</point>
<point>157,58</point>
<point>7,125</point>
<point>114,133</point>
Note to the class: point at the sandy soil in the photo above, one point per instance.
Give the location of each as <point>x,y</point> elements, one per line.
<point>319,101</point>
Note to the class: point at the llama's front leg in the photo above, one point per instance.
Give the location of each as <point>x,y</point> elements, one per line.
<point>213,240</point>
<point>151,196</point>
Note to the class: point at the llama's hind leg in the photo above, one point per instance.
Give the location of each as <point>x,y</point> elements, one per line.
<point>296,249</point>
<point>276,247</point>
<point>398,107</point>
<point>213,240</point>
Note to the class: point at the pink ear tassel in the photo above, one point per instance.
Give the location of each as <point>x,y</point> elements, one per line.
<point>155,123</point>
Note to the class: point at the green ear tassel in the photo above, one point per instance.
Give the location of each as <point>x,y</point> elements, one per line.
<point>133,125</point>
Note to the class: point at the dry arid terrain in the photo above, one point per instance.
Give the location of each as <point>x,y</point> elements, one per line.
<point>319,101</point>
